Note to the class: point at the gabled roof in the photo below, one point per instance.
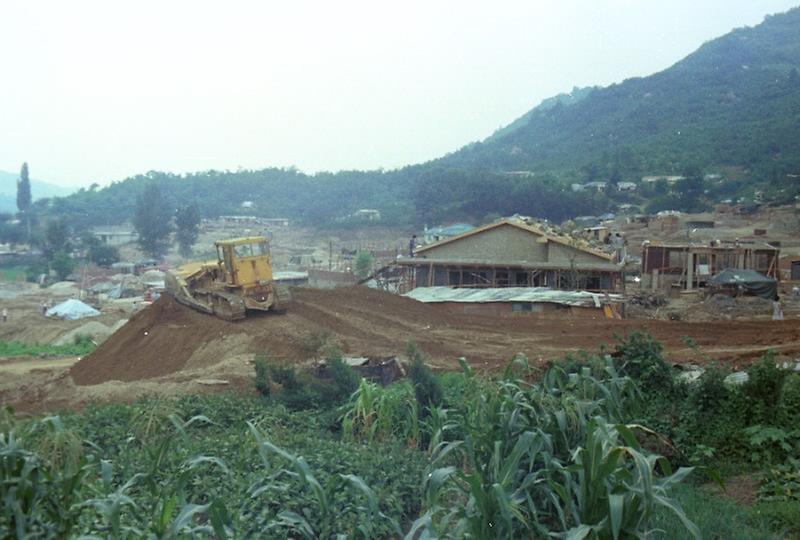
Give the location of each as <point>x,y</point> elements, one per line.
<point>450,230</point>
<point>524,227</point>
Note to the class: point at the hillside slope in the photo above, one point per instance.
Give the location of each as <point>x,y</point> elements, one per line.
<point>734,103</point>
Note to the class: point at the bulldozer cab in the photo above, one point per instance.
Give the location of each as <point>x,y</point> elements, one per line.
<point>244,261</point>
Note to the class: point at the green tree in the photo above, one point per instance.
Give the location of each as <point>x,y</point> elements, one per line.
<point>364,263</point>
<point>99,253</point>
<point>152,221</point>
<point>56,238</point>
<point>690,191</point>
<point>24,198</point>
<point>10,232</point>
<point>187,223</point>
<point>62,264</point>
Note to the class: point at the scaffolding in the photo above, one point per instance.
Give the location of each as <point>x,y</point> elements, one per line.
<point>690,266</point>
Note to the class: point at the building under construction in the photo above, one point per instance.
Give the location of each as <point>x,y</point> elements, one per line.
<point>691,265</point>
<point>513,253</point>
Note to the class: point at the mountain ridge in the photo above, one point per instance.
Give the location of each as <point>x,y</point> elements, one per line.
<point>39,190</point>
<point>732,104</point>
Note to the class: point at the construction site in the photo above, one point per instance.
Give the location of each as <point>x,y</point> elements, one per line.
<point>484,294</point>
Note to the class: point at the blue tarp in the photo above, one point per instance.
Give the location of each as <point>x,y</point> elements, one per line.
<point>71,310</point>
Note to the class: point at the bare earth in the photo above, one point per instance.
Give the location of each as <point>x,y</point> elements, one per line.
<point>169,349</point>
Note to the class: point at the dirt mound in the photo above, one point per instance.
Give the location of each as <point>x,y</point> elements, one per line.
<point>94,330</point>
<point>156,341</point>
<point>167,337</point>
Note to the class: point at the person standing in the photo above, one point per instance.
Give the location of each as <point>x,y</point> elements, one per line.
<point>5,314</point>
<point>412,245</point>
<point>777,310</point>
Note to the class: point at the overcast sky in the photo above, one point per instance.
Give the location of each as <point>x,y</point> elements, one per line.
<point>94,91</point>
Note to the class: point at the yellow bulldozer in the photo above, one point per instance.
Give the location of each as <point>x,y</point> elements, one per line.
<point>239,280</point>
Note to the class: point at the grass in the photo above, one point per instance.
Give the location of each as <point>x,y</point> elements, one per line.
<point>12,273</point>
<point>716,517</point>
<point>80,347</point>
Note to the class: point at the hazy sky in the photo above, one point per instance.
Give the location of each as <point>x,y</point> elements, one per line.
<point>100,90</point>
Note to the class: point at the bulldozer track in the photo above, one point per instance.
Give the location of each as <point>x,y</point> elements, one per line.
<point>228,306</point>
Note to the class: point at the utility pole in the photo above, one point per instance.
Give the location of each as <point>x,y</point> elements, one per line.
<point>330,255</point>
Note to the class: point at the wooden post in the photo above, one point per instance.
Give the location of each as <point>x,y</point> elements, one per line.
<point>646,256</point>
<point>689,270</point>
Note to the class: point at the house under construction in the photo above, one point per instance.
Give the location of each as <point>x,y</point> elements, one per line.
<point>690,266</point>
<point>513,253</point>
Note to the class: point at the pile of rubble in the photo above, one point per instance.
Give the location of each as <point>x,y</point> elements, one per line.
<point>721,306</point>
<point>122,286</point>
<point>648,299</point>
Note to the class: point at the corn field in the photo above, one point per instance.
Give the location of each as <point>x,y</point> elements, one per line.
<point>524,455</point>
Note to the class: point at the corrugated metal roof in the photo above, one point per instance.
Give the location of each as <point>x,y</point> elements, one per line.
<point>288,274</point>
<point>450,230</point>
<point>512,294</point>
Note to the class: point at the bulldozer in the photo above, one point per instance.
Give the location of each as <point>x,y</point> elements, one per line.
<point>239,280</point>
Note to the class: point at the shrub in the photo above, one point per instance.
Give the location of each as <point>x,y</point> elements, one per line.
<point>715,415</point>
<point>261,378</point>
<point>640,358</point>
<point>363,265</point>
<point>36,267</point>
<point>780,515</point>
<point>345,379</point>
<point>789,401</point>
<point>781,481</point>
<point>427,387</point>
<point>314,342</point>
<point>62,264</point>
<point>103,255</point>
<point>763,388</point>
<point>709,393</point>
<point>296,392</point>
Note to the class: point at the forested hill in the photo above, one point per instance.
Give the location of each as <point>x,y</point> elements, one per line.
<point>735,101</point>
<point>732,105</point>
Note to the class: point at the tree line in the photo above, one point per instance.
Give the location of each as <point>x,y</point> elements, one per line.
<point>58,242</point>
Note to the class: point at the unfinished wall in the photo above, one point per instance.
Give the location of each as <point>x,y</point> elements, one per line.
<point>565,254</point>
<point>503,243</point>
<point>324,279</point>
<point>509,309</point>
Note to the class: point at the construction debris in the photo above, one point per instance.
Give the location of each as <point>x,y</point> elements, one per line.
<point>648,299</point>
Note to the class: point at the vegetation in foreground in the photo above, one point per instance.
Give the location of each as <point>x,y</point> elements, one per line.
<point>564,453</point>
<point>82,345</point>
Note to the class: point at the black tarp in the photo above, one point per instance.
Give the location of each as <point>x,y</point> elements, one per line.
<point>748,282</point>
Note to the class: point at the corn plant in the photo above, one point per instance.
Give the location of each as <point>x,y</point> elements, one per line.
<point>316,524</point>
<point>614,490</point>
<point>375,413</point>
<point>41,490</point>
<point>537,460</point>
